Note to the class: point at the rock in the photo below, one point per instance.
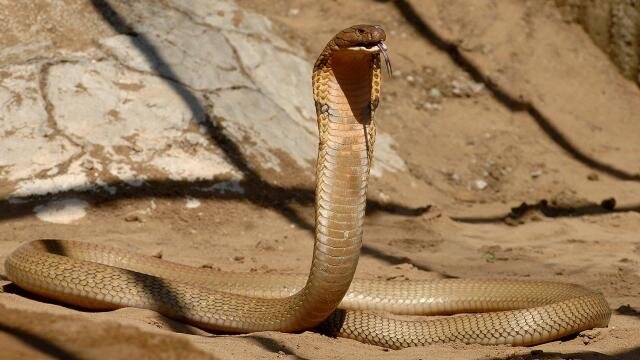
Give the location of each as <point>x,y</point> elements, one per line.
<point>432,106</point>
<point>590,336</point>
<point>479,184</point>
<point>192,203</point>
<point>593,177</point>
<point>609,204</point>
<point>134,217</point>
<point>465,88</point>
<point>568,199</point>
<point>144,103</point>
<point>536,173</point>
<point>63,211</point>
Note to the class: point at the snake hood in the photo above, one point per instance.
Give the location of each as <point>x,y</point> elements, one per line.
<point>346,80</point>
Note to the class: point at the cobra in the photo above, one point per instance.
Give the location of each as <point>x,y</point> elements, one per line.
<point>346,90</point>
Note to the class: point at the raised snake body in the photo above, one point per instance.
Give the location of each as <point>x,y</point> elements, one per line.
<point>346,88</point>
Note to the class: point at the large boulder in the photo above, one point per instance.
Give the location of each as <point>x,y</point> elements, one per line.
<point>182,91</point>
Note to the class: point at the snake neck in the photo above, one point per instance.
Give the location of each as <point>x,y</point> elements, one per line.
<point>342,90</point>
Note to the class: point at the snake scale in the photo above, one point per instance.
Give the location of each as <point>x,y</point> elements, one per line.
<point>346,89</point>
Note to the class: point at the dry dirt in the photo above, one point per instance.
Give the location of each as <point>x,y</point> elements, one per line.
<point>478,159</point>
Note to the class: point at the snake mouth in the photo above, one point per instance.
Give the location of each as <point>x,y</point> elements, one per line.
<point>368,47</point>
<point>375,48</point>
<point>372,47</point>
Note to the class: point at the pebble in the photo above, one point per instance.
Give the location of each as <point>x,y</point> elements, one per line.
<point>593,177</point>
<point>157,254</point>
<point>609,204</point>
<point>588,336</point>
<point>210,266</point>
<point>466,88</point>
<point>432,106</point>
<point>476,87</point>
<point>192,203</point>
<point>456,88</point>
<point>480,184</point>
<point>134,217</point>
<point>536,173</point>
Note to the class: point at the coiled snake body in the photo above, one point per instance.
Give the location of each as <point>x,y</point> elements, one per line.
<point>346,88</point>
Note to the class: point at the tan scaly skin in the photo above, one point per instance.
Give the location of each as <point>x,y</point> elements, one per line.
<point>346,88</point>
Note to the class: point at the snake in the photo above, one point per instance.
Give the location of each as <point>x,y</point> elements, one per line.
<point>346,84</point>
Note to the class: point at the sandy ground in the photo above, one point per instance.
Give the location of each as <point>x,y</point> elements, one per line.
<point>496,193</point>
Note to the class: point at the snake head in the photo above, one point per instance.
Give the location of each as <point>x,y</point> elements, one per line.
<point>360,37</point>
<point>369,38</point>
